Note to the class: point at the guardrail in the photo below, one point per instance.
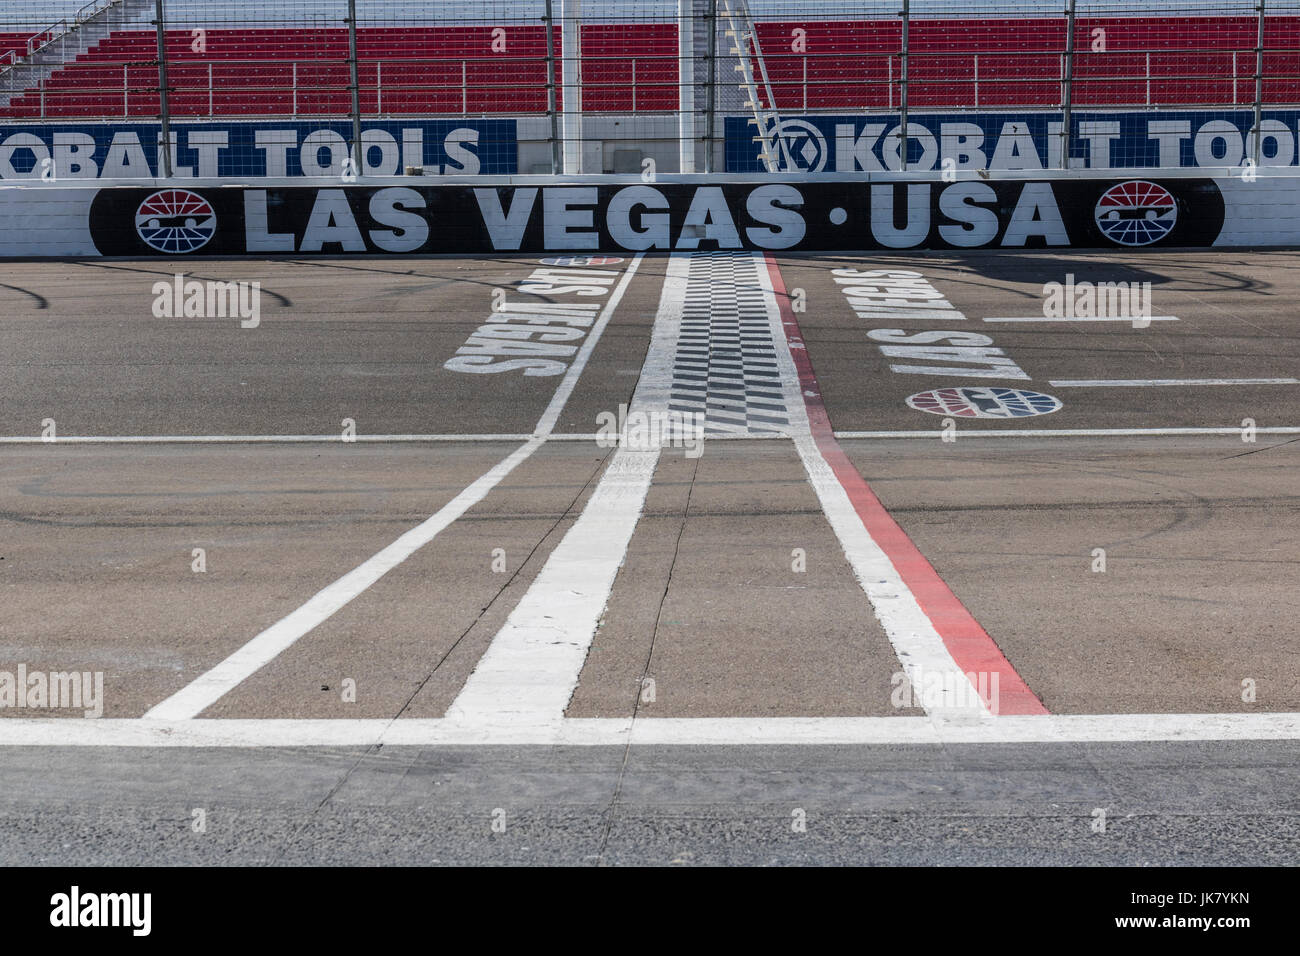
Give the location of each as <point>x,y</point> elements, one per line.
<point>646,83</point>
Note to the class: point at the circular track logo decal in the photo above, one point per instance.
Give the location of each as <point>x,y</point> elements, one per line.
<point>984,402</point>
<point>1136,213</point>
<point>175,221</point>
<point>581,261</point>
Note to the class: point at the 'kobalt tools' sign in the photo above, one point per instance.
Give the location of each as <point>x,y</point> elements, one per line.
<point>1015,141</point>
<point>266,148</point>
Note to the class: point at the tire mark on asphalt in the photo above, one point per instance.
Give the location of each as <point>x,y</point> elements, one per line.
<point>645,672</point>
<point>283,300</point>
<point>1254,451</point>
<point>568,511</point>
<point>41,301</point>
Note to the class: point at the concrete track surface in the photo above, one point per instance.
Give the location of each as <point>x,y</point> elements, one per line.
<point>700,558</point>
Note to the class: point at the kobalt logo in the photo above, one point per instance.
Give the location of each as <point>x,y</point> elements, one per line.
<point>984,402</point>
<point>1136,213</point>
<point>175,221</point>
<point>799,146</point>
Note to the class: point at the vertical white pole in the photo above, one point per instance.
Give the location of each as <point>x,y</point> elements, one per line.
<point>1259,86</point>
<point>571,85</point>
<point>551,106</point>
<point>903,93</point>
<point>685,86</point>
<point>164,107</point>
<point>710,84</point>
<point>354,75</point>
<point>1067,86</point>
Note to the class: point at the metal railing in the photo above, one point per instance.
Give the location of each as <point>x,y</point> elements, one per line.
<point>387,86</point>
<point>62,27</point>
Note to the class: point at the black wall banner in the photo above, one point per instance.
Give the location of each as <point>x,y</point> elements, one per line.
<point>403,220</point>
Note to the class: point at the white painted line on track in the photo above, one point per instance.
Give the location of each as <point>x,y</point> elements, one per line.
<point>211,686</point>
<point>1134,320</point>
<point>529,671</point>
<point>650,731</point>
<point>318,439</point>
<point>864,534</point>
<point>1068,432</point>
<point>511,439</point>
<point>531,668</point>
<point>920,649</point>
<point>275,439</point>
<point>1157,382</point>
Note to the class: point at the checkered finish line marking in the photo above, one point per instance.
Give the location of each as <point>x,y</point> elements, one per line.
<point>725,366</point>
<point>720,329</point>
<point>713,353</point>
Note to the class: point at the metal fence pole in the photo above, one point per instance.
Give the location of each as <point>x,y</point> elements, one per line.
<point>685,86</point>
<point>1067,86</point>
<point>902,88</point>
<point>357,150</point>
<point>571,86</point>
<point>711,99</point>
<point>1259,84</point>
<point>164,110</point>
<point>551,111</point>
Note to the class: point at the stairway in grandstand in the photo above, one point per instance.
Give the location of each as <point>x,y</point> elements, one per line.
<point>744,45</point>
<point>29,57</point>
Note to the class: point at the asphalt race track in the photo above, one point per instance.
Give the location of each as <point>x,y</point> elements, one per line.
<point>895,562</point>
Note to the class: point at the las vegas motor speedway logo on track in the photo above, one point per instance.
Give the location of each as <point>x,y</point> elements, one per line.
<point>984,402</point>
<point>1136,213</point>
<point>175,221</point>
<point>581,260</point>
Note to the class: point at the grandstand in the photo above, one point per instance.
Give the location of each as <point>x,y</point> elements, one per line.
<point>259,60</point>
<point>620,69</point>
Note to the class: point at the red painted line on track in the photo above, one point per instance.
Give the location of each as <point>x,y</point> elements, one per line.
<point>968,643</point>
